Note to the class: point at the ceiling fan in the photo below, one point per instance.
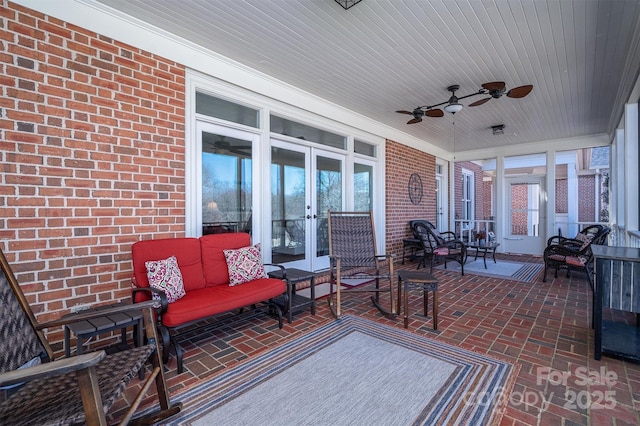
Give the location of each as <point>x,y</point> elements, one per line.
<point>495,90</point>
<point>498,88</point>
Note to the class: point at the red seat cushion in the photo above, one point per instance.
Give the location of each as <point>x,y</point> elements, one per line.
<point>575,261</point>
<point>557,257</point>
<point>208,301</point>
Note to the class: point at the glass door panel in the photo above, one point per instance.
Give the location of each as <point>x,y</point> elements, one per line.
<point>525,204</point>
<point>328,196</point>
<point>305,183</point>
<point>289,204</point>
<point>226,184</point>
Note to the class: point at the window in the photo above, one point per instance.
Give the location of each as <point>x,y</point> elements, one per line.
<point>225,110</point>
<point>362,187</point>
<point>467,210</point>
<point>364,148</point>
<point>286,127</point>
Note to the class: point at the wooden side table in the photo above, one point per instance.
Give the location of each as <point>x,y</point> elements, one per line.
<point>413,245</point>
<point>427,283</point>
<point>87,329</point>
<point>296,302</point>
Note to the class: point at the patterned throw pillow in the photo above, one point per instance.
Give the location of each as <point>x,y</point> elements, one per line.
<point>165,275</point>
<point>585,240</point>
<point>245,264</point>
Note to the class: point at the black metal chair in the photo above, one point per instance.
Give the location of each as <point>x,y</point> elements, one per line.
<point>353,255</point>
<point>76,390</point>
<point>413,244</point>
<point>439,246</point>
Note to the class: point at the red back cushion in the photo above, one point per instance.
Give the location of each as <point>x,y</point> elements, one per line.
<point>214,263</point>
<point>186,251</point>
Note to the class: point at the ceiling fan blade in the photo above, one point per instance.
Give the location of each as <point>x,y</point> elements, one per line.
<point>520,92</point>
<point>434,113</point>
<point>480,102</point>
<point>496,85</point>
<point>405,112</point>
<point>414,120</point>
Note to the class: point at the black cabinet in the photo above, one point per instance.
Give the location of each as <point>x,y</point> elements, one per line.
<point>617,286</point>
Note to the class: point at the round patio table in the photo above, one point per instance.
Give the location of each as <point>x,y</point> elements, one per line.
<point>483,247</point>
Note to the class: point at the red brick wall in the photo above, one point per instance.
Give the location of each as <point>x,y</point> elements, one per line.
<point>401,162</point>
<point>519,201</point>
<point>587,198</point>
<point>482,204</point>
<point>486,211</point>
<point>92,149</point>
<point>562,204</point>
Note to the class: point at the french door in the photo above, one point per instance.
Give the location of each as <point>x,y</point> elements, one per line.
<point>525,216</point>
<point>305,183</point>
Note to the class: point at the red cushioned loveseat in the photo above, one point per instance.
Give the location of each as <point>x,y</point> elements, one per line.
<point>206,283</point>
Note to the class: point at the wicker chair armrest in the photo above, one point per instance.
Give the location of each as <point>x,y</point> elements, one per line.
<point>457,244</point>
<point>53,368</point>
<point>448,235</point>
<point>556,239</point>
<point>93,313</point>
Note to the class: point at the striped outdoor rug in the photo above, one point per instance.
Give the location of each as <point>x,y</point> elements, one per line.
<point>356,372</point>
<point>516,271</point>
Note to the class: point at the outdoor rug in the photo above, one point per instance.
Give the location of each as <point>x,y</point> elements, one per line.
<point>354,372</point>
<point>516,271</point>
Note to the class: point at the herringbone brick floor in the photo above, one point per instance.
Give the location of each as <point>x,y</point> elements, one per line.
<point>543,328</point>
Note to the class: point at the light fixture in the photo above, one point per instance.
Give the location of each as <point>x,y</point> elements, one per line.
<point>498,129</point>
<point>346,4</point>
<point>454,106</point>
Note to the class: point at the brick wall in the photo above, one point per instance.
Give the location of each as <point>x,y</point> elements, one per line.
<point>562,191</point>
<point>401,162</point>
<point>482,192</point>
<point>92,149</point>
<point>587,198</point>
<point>519,202</point>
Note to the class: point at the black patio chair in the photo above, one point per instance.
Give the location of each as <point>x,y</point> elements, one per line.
<point>574,253</point>
<point>439,246</point>
<point>75,390</point>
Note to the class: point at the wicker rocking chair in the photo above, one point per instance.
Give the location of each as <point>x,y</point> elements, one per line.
<point>78,390</point>
<point>353,255</point>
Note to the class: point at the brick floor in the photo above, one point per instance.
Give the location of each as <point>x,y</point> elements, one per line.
<point>544,328</point>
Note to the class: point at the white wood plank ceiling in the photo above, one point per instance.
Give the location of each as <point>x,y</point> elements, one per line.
<point>379,56</point>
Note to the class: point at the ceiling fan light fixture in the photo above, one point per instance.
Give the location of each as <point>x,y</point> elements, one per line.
<point>453,107</point>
